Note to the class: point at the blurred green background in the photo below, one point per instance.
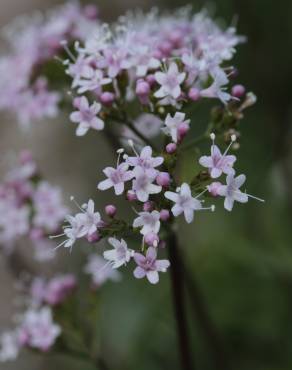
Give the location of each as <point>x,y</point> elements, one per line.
<point>242,261</point>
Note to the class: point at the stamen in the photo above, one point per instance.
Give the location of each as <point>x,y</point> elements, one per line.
<point>64,43</point>
<point>203,192</point>
<point>56,236</point>
<point>131,144</point>
<point>77,204</point>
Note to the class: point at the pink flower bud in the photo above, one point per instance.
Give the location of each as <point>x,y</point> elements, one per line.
<point>170,148</point>
<point>238,91</point>
<point>148,206</point>
<point>90,11</point>
<point>151,80</point>
<point>36,234</point>
<point>183,130</point>
<point>213,188</point>
<point>111,210</point>
<point>93,238</point>
<point>76,102</point>
<point>131,196</point>
<point>166,48</point>
<point>142,88</point>
<point>152,239</point>
<point>163,179</point>
<point>107,98</point>
<point>164,214</point>
<point>25,157</point>
<point>194,94</point>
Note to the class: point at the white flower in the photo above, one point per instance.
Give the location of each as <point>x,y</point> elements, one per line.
<point>142,184</point>
<point>120,255</point>
<point>89,220</point>
<point>216,90</point>
<point>39,328</point>
<point>184,202</point>
<point>231,191</point>
<point>145,160</point>
<point>170,82</point>
<point>100,270</point>
<point>172,125</point>
<point>149,221</point>
<point>87,118</point>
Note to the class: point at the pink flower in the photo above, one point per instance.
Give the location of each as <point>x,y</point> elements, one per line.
<point>145,160</point>
<point>116,178</point>
<point>184,202</point>
<point>87,117</point>
<point>216,90</point>
<point>170,82</point>
<point>100,270</point>
<point>231,191</point>
<point>149,266</point>
<point>218,163</point>
<point>143,183</point>
<point>120,255</point>
<point>49,208</point>
<point>39,329</point>
<point>148,221</point>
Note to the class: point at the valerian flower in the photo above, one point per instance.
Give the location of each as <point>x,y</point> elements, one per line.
<point>148,221</point>
<point>218,163</point>
<point>100,270</point>
<point>231,191</point>
<point>216,90</point>
<point>120,255</point>
<point>170,82</point>
<point>116,178</point>
<point>38,330</point>
<point>149,266</point>
<point>143,184</point>
<point>172,125</point>
<point>145,160</point>
<point>184,202</point>
<point>86,116</point>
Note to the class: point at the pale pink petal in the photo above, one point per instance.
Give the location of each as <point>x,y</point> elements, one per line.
<point>153,277</point>
<point>105,184</point>
<point>139,272</point>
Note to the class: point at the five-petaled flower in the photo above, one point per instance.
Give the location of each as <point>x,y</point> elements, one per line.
<point>86,116</point>
<point>170,82</point>
<point>149,266</point>
<point>184,202</point>
<point>120,255</point>
<point>116,178</point>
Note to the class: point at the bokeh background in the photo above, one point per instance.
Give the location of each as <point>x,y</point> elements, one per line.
<point>242,261</point>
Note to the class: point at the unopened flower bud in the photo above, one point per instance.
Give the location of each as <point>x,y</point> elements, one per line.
<point>77,102</point>
<point>183,130</point>
<point>107,98</point>
<point>170,148</point>
<point>164,214</point>
<point>142,88</point>
<point>148,206</point>
<point>93,238</point>
<point>151,80</point>
<point>131,196</point>
<point>238,91</point>
<point>152,239</point>
<point>111,210</point>
<point>214,187</point>
<point>163,179</point>
<point>194,94</point>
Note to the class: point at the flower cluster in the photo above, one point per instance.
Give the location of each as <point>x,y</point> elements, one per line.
<point>34,42</point>
<point>159,60</point>
<point>29,206</point>
<point>35,326</point>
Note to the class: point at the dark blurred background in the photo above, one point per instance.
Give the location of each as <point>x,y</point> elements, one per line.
<point>242,261</point>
